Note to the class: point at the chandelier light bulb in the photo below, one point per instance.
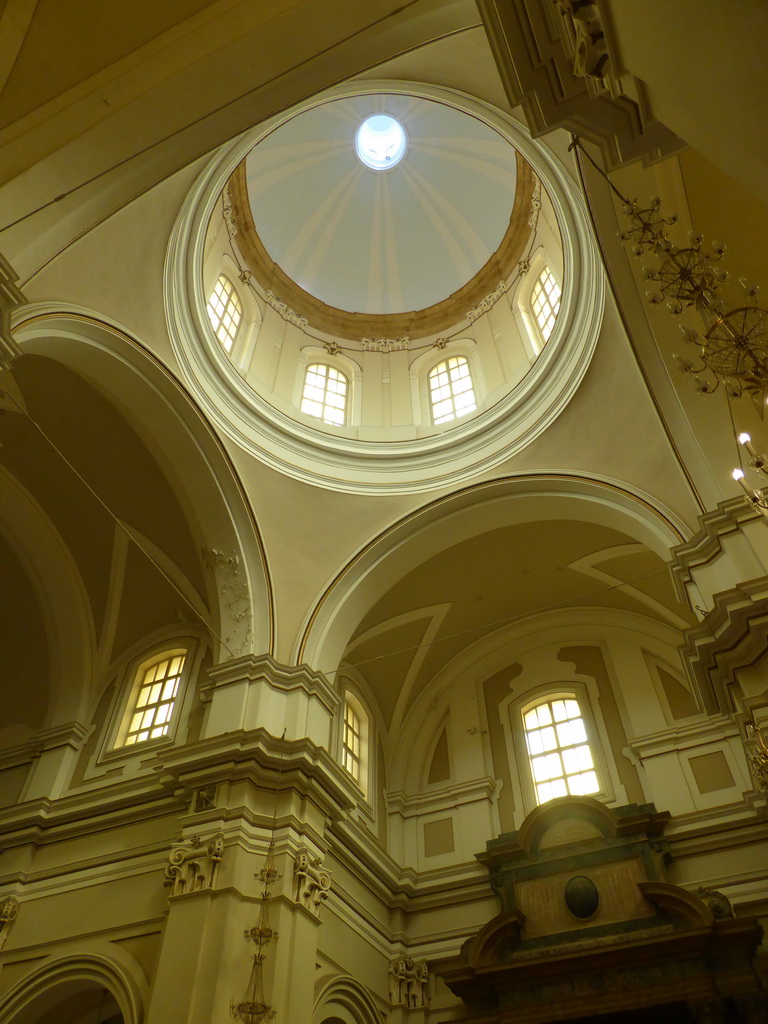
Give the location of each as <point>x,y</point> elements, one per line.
<point>744,438</point>
<point>738,474</point>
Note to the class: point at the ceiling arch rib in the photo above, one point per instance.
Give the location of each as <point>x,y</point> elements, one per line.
<point>203,481</point>
<point>477,510</point>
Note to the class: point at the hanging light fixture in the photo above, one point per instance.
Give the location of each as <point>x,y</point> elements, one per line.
<point>253,1007</point>
<point>732,350</point>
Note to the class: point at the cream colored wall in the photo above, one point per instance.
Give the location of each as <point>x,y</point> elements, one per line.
<point>86,848</point>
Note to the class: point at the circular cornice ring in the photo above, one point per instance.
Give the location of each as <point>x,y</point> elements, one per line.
<point>414,466</point>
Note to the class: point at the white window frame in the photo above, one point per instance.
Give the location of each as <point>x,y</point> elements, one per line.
<point>522,310</point>
<point>547,698</point>
<point>352,701</point>
<point>510,715</point>
<point>445,358</point>
<point>546,272</point>
<point>175,661</point>
<point>238,303</point>
<point>347,394</point>
<point>129,682</point>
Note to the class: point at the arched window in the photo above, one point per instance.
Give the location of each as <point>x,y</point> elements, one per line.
<point>354,740</point>
<point>225,311</point>
<point>154,696</point>
<point>325,394</point>
<point>450,389</point>
<point>560,756</point>
<point>545,302</point>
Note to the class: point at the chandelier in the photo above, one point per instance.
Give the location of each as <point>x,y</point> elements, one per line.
<point>732,344</point>
<point>253,1007</point>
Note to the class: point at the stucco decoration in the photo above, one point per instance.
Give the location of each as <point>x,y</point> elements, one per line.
<point>8,912</point>
<point>311,882</point>
<point>192,865</point>
<point>232,585</point>
<point>408,979</point>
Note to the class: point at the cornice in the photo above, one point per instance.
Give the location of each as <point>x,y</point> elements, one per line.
<point>264,668</point>
<point>421,323</point>
<point>70,734</point>
<point>538,50</point>
<point>731,637</point>
<point>413,804</point>
<point>707,543</point>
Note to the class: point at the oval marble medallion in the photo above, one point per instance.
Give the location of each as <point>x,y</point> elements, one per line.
<point>581,896</point>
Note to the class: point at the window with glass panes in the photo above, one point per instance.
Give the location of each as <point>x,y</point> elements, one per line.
<point>545,302</point>
<point>225,312</point>
<point>325,394</point>
<point>352,742</point>
<point>153,707</point>
<point>450,389</point>
<point>558,748</point>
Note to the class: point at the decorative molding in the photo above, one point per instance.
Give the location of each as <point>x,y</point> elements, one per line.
<point>9,910</point>
<point>408,980</point>
<point>332,348</point>
<point>486,305</point>
<point>386,345</point>
<point>450,798</point>
<point>732,636</point>
<point>559,61</point>
<point>192,865</point>
<point>311,882</point>
<point>286,312</point>
<point>229,218</point>
<point>706,545</point>
<point>11,297</point>
<point>585,38</point>
<point>535,207</point>
<point>263,668</point>
<point>711,729</point>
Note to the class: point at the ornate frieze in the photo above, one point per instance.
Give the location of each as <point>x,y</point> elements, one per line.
<point>192,865</point>
<point>286,312</point>
<point>487,303</point>
<point>408,979</point>
<point>311,883</point>
<point>386,344</point>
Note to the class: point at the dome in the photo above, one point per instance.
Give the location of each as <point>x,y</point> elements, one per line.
<point>387,228</point>
<point>389,322</point>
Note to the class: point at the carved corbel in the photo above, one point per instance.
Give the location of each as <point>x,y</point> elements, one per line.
<point>311,881</point>
<point>9,908</point>
<point>192,866</point>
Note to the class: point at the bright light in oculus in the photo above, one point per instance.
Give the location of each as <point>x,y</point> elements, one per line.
<point>380,142</point>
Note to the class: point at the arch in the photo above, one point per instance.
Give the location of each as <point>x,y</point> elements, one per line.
<point>343,999</point>
<point>62,597</point>
<point>474,510</point>
<point>190,455</point>
<point>99,965</point>
<point>507,645</point>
